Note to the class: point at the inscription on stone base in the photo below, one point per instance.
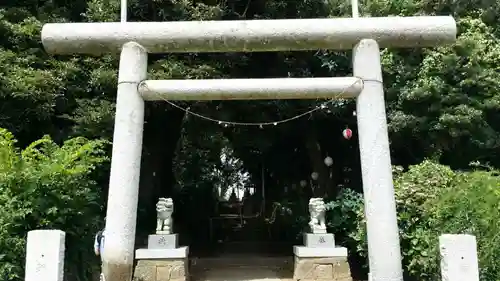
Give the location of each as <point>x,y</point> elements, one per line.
<point>319,240</point>
<point>162,241</point>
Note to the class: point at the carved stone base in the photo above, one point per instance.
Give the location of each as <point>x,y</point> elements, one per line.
<point>313,268</point>
<point>317,240</point>
<point>163,241</point>
<point>162,270</point>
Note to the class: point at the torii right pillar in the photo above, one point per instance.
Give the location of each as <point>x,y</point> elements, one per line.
<point>380,207</point>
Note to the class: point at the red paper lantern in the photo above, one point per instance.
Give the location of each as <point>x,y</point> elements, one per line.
<point>347,133</point>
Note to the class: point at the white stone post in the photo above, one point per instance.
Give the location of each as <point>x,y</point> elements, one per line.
<point>458,257</point>
<point>125,166</point>
<point>45,255</point>
<point>380,206</point>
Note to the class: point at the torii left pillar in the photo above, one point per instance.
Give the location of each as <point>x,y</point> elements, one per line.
<point>123,194</point>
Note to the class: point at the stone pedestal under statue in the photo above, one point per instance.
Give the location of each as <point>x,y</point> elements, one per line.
<point>163,260</point>
<point>319,258</point>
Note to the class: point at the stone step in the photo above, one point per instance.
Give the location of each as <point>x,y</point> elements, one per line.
<point>241,261</point>
<point>242,274</point>
<point>242,268</point>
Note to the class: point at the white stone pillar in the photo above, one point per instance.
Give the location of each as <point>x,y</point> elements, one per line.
<point>458,258</point>
<point>125,166</point>
<point>45,255</point>
<point>380,206</point>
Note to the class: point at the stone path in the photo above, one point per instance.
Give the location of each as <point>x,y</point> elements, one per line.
<point>240,274</point>
<point>234,268</point>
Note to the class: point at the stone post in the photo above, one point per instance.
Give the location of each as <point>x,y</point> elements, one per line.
<point>380,206</point>
<point>125,166</point>
<point>458,257</point>
<point>45,255</point>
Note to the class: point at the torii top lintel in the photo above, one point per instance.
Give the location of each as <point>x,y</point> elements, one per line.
<point>248,35</point>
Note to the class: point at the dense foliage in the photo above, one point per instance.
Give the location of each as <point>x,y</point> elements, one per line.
<point>432,200</point>
<point>440,101</point>
<point>47,186</point>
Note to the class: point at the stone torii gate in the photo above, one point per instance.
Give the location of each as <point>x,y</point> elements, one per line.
<point>136,39</point>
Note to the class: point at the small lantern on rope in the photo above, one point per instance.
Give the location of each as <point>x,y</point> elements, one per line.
<point>314,177</point>
<point>347,133</point>
<point>329,162</point>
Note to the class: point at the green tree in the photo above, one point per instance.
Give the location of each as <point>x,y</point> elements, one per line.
<point>432,200</point>
<point>451,100</point>
<point>47,186</point>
